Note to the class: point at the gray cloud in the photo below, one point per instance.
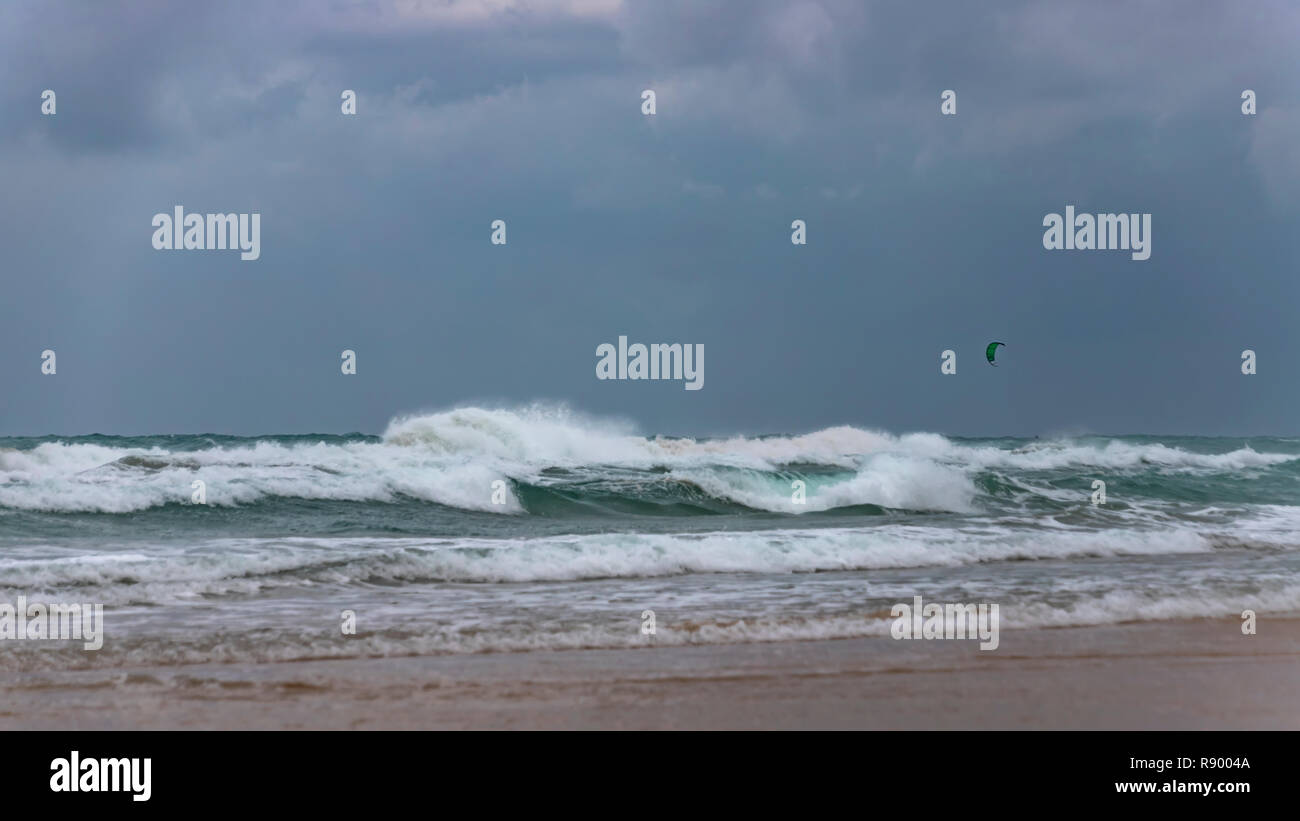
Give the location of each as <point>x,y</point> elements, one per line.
<point>924,230</point>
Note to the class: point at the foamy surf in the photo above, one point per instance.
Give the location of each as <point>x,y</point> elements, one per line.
<point>485,530</point>
<point>452,459</point>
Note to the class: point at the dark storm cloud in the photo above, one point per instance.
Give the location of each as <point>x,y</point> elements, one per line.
<point>924,231</point>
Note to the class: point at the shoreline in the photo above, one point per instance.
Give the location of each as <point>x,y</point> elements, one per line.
<point>1190,674</point>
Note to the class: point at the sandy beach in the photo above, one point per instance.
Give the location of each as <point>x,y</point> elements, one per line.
<point>1201,674</point>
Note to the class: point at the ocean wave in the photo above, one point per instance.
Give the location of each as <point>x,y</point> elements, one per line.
<point>486,460</point>
<point>306,633</point>
<point>237,567</point>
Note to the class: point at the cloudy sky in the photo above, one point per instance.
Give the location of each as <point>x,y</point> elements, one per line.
<point>924,230</point>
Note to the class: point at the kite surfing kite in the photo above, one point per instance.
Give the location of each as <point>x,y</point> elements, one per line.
<point>991,350</point>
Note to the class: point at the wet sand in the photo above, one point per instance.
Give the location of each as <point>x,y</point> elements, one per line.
<point>1201,674</point>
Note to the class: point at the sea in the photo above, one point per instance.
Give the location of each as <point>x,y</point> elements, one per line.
<point>487,530</point>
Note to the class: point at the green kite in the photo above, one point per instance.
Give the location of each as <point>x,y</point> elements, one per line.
<point>991,350</point>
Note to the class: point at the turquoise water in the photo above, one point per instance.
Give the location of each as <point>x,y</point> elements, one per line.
<point>492,530</point>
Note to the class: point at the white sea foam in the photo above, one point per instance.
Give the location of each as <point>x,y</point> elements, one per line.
<point>453,457</point>
<point>245,637</point>
<point>276,598</point>
<point>129,572</point>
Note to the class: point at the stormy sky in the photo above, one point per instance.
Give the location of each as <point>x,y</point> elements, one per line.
<point>924,230</point>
